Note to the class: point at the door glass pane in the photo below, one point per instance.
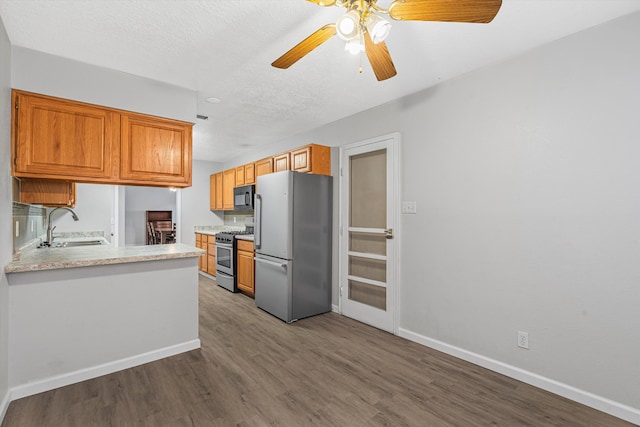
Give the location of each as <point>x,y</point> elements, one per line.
<point>367,243</point>
<point>368,190</point>
<point>374,296</point>
<point>372,269</point>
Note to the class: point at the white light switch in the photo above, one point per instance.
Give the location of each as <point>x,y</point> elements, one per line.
<point>17,229</point>
<point>409,207</point>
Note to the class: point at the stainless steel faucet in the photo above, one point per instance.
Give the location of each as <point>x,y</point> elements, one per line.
<point>50,230</point>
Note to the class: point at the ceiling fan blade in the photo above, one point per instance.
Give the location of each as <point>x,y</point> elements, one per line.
<point>323,2</point>
<point>479,11</point>
<point>379,58</point>
<point>305,46</point>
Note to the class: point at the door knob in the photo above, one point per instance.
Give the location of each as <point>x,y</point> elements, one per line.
<point>388,233</point>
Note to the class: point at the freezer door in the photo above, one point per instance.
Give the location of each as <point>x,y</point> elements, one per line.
<point>273,286</point>
<point>274,215</point>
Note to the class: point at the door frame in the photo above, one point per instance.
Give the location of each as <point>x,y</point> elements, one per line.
<point>395,222</point>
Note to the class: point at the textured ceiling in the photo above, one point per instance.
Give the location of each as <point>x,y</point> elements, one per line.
<point>224,49</point>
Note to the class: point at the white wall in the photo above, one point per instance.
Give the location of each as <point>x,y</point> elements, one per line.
<point>6,244</point>
<point>526,177</point>
<point>65,78</point>
<point>68,325</point>
<point>139,200</point>
<point>94,209</point>
<point>194,202</point>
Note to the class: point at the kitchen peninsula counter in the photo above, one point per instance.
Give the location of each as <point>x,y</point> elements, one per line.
<point>85,311</point>
<point>87,256</point>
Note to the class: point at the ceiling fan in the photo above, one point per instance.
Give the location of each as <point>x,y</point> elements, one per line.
<point>364,29</point>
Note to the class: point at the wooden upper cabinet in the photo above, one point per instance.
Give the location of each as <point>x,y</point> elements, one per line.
<point>57,138</point>
<point>221,186</point>
<point>281,162</point>
<point>312,158</point>
<point>249,174</point>
<point>215,191</point>
<point>155,151</point>
<point>263,167</point>
<point>62,139</point>
<point>219,191</point>
<point>239,176</point>
<point>47,192</point>
<point>228,183</point>
<point>212,192</point>
<point>245,175</point>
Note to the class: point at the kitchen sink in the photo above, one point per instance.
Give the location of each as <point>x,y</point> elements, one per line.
<point>76,243</point>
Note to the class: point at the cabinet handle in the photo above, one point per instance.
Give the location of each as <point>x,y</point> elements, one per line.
<point>258,222</point>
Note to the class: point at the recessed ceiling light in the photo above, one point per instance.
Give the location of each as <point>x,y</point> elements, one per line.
<point>213,100</point>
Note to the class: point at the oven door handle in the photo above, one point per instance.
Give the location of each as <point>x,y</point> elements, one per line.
<point>275,264</point>
<point>258,223</point>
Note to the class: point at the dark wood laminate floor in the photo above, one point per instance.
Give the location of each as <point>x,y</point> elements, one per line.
<point>328,370</point>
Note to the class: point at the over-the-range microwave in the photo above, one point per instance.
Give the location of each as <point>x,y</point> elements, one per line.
<point>243,198</point>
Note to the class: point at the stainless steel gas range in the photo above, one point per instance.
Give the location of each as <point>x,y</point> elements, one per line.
<point>226,258</point>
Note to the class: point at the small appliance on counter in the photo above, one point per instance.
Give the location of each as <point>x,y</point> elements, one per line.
<point>226,245</point>
<point>293,244</point>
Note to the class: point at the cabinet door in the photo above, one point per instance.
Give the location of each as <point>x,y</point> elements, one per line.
<point>249,174</point>
<point>281,162</point>
<point>48,192</point>
<point>212,192</point>
<point>201,259</point>
<point>211,255</point>
<point>301,159</point>
<point>228,183</point>
<point>239,176</point>
<point>246,272</point>
<point>57,138</point>
<point>312,158</point>
<point>219,192</point>
<point>263,167</point>
<point>155,151</point>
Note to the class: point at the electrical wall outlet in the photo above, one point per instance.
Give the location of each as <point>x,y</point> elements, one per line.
<point>523,340</point>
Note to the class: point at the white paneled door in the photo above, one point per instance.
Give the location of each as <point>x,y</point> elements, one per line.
<point>368,230</point>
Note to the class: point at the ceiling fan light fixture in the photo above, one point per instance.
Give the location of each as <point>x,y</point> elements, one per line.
<point>348,25</point>
<point>355,45</point>
<point>377,27</point>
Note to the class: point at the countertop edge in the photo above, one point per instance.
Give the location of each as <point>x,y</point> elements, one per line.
<point>116,257</point>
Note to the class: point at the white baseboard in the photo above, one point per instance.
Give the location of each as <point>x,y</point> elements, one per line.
<point>600,403</point>
<point>4,405</point>
<point>57,381</point>
<point>335,308</point>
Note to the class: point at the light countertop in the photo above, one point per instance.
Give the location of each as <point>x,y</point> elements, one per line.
<point>245,237</point>
<point>212,230</point>
<point>86,256</point>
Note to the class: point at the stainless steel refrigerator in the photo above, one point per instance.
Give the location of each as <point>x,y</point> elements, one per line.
<point>293,244</point>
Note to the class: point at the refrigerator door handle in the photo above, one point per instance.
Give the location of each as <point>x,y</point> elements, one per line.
<point>276,264</point>
<point>258,226</point>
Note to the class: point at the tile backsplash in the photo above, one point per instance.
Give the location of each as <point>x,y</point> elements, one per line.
<point>241,218</point>
<point>28,224</point>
